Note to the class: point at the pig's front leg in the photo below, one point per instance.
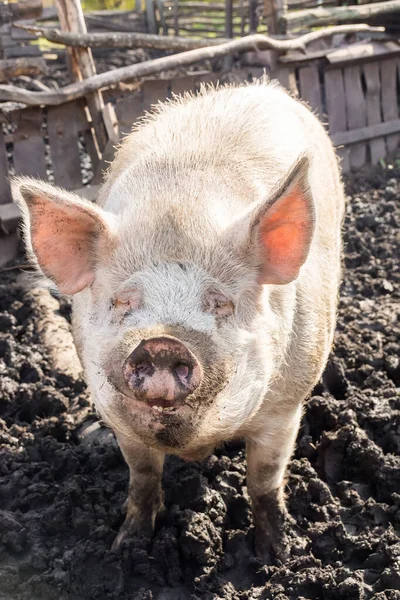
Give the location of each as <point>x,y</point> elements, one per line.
<point>267,459</point>
<point>145,497</point>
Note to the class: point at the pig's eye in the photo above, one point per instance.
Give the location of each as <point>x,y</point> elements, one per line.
<point>127,300</point>
<point>218,304</point>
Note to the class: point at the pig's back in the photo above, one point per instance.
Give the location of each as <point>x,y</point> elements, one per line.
<point>248,137</point>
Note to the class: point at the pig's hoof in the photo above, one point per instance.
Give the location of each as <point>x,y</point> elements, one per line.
<point>131,528</point>
<point>271,548</point>
<point>272,525</point>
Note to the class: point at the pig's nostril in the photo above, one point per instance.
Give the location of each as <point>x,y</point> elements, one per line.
<point>182,371</point>
<point>144,368</point>
<point>162,368</point>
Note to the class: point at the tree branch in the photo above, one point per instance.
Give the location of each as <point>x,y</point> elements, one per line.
<point>161,42</point>
<point>152,67</point>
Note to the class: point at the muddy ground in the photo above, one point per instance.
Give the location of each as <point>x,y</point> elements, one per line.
<point>60,499</point>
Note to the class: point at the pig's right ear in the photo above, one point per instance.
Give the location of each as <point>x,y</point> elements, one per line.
<point>275,237</point>
<point>63,232</point>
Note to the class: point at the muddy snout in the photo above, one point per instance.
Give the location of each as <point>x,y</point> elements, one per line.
<point>162,371</point>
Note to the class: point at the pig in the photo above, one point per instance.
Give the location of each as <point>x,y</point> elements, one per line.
<point>204,283</point>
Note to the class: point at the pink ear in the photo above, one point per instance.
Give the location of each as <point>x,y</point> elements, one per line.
<point>65,232</point>
<point>283,230</point>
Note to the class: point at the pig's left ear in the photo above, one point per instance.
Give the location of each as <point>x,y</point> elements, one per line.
<point>63,232</point>
<point>280,231</point>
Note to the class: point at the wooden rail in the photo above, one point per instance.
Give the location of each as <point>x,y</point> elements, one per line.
<point>322,16</point>
<point>26,9</point>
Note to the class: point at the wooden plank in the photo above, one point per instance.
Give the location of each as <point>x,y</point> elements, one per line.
<point>242,15</point>
<point>155,90</point>
<point>5,191</point>
<point>81,116</point>
<point>310,88</point>
<point>176,17</point>
<point>81,65</point>
<point>377,146</point>
<point>209,7</point>
<point>196,19</point>
<point>336,108</point>
<point>390,103</point>
<point>256,73</point>
<point>22,35</point>
<point>184,84</point>
<point>287,77</point>
<point>7,41</point>
<point>296,58</point>
<point>112,128</point>
<point>252,16</point>
<point>21,51</point>
<point>364,51</point>
<point>8,248</point>
<point>97,24</point>
<point>63,138</point>
<point>228,18</point>
<point>111,124</point>
<point>237,76</point>
<point>208,77</point>
<point>364,134</point>
<point>151,18</point>
<point>28,155</point>
<point>129,108</point>
<point>26,9</point>
<point>9,217</point>
<point>356,112</point>
<point>270,15</point>
<point>310,3</point>
<point>227,62</point>
<point>92,150</point>
<point>49,13</point>
<point>161,14</point>
<point>205,78</point>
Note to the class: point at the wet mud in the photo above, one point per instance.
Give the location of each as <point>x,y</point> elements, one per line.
<point>61,490</point>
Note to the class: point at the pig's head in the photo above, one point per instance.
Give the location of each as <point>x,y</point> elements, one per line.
<point>174,313</point>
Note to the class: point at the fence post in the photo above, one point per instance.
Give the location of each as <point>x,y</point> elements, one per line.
<point>228,60</point>
<point>228,18</point>
<point>151,18</point>
<point>176,17</point>
<point>252,16</point>
<point>81,65</point>
<point>274,10</point>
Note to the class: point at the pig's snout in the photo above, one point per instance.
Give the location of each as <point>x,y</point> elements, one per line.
<point>162,371</point>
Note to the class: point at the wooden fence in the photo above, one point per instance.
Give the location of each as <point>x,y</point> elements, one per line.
<point>358,100</point>
<point>200,18</point>
<point>234,18</point>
